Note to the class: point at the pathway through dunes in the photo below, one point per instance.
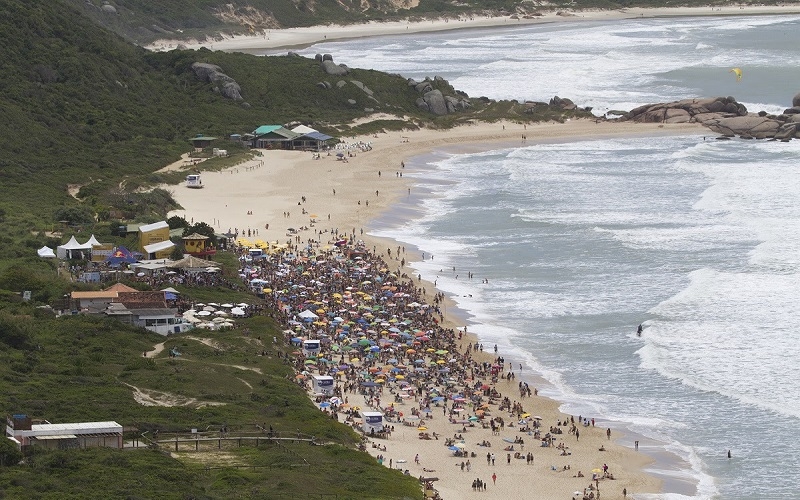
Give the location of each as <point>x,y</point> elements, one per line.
<point>150,397</point>
<point>153,397</point>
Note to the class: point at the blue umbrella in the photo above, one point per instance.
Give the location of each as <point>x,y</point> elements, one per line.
<point>438,398</point>
<point>324,405</point>
<point>452,448</point>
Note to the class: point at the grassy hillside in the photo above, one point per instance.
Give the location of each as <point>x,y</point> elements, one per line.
<point>87,119</point>
<point>143,21</point>
<point>86,369</point>
<point>81,107</point>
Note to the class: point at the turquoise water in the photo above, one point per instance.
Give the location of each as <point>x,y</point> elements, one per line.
<point>697,240</point>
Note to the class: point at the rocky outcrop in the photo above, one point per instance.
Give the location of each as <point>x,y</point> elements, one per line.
<point>224,84</point>
<point>434,100</point>
<point>332,68</point>
<point>723,115</point>
<point>328,66</point>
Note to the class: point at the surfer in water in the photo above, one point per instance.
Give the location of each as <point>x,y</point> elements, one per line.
<point>639,331</point>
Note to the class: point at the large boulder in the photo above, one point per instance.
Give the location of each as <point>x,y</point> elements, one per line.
<point>332,68</point>
<point>435,102</point>
<point>212,73</point>
<point>787,131</point>
<point>746,126</point>
<point>796,100</point>
<point>423,87</point>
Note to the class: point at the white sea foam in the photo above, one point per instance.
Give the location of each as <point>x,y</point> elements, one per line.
<point>698,240</point>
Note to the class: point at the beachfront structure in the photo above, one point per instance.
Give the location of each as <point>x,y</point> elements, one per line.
<point>146,310</point>
<point>311,347</point>
<point>99,299</point>
<point>310,140</point>
<point>273,137</point>
<point>201,141</point>
<point>198,245</point>
<point>24,432</point>
<point>154,240</point>
<point>278,137</point>
<point>371,422</point>
<point>322,384</point>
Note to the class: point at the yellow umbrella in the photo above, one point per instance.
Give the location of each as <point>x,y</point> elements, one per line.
<point>399,377</point>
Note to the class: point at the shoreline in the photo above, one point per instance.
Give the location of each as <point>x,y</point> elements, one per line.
<point>353,196</point>
<point>289,38</point>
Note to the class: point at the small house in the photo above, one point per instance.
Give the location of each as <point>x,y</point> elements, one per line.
<point>201,141</point>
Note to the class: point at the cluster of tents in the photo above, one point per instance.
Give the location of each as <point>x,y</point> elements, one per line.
<point>69,250</point>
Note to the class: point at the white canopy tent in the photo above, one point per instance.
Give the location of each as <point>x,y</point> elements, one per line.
<point>46,253</point>
<point>73,250</point>
<point>92,242</point>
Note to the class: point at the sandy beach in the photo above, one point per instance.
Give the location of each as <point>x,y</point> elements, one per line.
<point>280,190</point>
<point>302,37</point>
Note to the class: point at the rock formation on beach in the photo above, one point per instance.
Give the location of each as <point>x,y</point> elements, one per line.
<point>722,115</point>
<point>434,100</point>
<point>225,85</point>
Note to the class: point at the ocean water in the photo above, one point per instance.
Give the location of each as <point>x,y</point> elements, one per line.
<point>698,240</point>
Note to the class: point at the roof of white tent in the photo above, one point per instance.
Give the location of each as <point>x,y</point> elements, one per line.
<point>46,252</point>
<point>73,244</point>
<point>302,129</point>
<point>93,242</point>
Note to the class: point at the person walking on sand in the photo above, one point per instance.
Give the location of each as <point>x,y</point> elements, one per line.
<point>608,433</point>
<point>494,478</point>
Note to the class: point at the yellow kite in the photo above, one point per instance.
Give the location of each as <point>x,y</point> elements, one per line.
<point>738,73</point>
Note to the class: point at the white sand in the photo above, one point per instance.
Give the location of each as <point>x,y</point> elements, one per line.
<point>276,187</point>
<point>301,37</point>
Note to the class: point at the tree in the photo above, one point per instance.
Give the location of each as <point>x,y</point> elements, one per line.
<point>9,453</point>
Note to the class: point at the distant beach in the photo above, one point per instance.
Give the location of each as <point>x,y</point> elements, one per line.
<point>303,37</point>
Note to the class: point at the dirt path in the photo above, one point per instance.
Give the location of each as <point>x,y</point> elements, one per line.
<point>209,342</point>
<point>156,350</point>
<point>245,382</point>
<point>151,397</point>
<point>238,367</point>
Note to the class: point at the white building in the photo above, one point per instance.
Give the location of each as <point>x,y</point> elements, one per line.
<point>22,430</point>
<point>322,384</point>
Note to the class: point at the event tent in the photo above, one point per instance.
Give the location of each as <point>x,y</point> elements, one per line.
<point>46,252</point>
<point>73,250</point>
<point>92,242</point>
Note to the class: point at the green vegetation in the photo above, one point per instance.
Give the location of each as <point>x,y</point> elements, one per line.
<point>89,121</point>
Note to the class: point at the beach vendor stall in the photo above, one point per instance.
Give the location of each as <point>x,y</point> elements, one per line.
<point>322,384</point>
<point>372,422</point>
<point>311,347</point>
